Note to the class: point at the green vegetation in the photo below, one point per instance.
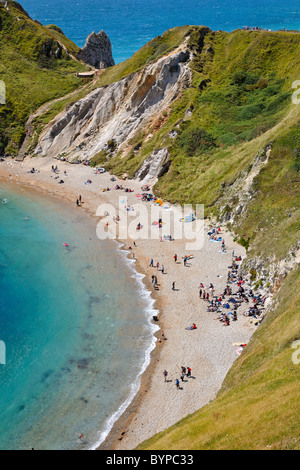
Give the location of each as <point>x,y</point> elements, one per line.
<point>99,159</point>
<point>158,47</point>
<point>272,220</point>
<point>241,90</point>
<point>35,69</point>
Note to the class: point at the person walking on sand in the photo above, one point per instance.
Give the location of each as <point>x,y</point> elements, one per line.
<point>177,384</point>
<point>175,258</point>
<point>162,269</point>
<point>165,375</point>
<point>151,263</point>
<point>173,285</point>
<point>77,203</point>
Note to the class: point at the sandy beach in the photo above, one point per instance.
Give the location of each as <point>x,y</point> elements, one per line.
<point>209,350</point>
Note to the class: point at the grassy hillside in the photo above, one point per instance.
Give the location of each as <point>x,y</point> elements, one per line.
<point>257,405</point>
<point>157,47</point>
<point>239,101</point>
<point>36,67</point>
<point>154,49</point>
<point>241,88</point>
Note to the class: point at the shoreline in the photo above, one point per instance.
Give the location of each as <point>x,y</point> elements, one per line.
<point>14,178</point>
<point>143,416</point>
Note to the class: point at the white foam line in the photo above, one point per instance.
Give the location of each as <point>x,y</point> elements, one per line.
<point>150,311</point>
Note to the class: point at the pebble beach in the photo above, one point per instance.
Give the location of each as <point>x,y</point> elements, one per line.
<point>209,350</point>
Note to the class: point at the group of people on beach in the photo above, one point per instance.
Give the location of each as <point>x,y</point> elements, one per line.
<point>229,300</point>
<point>185,372</point>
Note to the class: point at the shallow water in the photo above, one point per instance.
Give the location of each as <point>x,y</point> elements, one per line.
<point>75,321</point>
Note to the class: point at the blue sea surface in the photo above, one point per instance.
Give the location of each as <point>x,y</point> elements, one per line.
<point>75,321</point>
<point>132,23</point>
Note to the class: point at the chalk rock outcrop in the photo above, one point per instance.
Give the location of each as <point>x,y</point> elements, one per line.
<point>97,51</point>
<point>154,166</point>
<point>117,112</point>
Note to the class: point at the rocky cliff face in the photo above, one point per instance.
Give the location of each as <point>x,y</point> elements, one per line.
<point>242,190</point>
<point>116,112</point>
<point>97,51</point>
<point>154,166</point>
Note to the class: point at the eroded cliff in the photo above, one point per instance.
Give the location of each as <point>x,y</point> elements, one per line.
<point>116,112</point>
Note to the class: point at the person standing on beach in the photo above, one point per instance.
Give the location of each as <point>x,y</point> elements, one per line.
<point>151,263</point>
<point>77,203</point>
<point>173,285</point>
<point>177,384</point>
<point>162,269</point>
<point>175,258</point>
<point>165,375</point>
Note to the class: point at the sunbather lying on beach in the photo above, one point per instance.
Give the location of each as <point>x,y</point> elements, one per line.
<point>193,327</point>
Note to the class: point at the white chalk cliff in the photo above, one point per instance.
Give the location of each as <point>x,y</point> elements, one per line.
<point>117,111</point>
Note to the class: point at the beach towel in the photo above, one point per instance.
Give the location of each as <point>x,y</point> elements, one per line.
<point>189,218</point>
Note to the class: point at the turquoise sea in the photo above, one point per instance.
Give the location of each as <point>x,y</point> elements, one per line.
<point>76,322</point>
<point>131,23</point>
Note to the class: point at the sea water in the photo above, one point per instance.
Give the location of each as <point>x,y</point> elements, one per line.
<point>76,322</point>
<point>132,23</point>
